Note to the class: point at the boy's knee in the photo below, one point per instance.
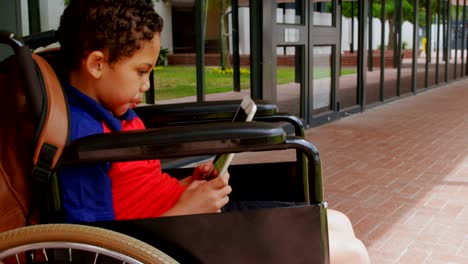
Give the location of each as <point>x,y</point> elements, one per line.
<point>347,250</point>
<point>339,222</point>
<point>359,252</point>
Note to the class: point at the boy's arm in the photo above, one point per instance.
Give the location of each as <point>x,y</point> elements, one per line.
<point>202,197</point>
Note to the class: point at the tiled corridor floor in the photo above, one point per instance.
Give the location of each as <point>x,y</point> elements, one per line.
<point>400,172</point>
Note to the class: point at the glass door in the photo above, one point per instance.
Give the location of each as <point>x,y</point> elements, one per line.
<point>291,66</point>
<point>325,48</point>
<point>349,54</point>
<point>308,67</point>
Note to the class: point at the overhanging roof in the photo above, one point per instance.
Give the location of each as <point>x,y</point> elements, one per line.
<point>190,3</point>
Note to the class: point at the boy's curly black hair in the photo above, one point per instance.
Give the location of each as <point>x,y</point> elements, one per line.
<point>113,26</point>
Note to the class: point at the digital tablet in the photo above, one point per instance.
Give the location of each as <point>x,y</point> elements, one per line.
<point>245,112</point>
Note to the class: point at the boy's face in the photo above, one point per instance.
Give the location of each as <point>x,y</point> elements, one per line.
<point>123,83</point>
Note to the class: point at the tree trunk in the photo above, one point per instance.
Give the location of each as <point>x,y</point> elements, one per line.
<point>224,43</point>
<point>390,34</point>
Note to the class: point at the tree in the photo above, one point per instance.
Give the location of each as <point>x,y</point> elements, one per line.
<point>219,8</point>
<point>389,15</point>
<point>422,13</point>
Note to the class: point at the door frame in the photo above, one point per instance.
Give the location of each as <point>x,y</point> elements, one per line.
<point>311,36</point>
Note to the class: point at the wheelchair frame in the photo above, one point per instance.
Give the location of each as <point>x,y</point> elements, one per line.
<point>205,135</point>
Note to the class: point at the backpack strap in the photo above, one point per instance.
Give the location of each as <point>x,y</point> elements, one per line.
<point>52,133</point>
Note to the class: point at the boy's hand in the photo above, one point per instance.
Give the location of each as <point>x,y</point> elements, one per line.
<point>205,171</point>
<point>202,197</point>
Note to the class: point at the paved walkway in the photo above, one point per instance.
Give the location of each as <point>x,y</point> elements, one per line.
<point>400,171</point>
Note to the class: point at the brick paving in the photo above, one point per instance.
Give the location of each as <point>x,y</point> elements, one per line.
<point>400,172</point>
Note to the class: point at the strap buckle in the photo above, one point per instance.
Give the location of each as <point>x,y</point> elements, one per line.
<point>41,174</point>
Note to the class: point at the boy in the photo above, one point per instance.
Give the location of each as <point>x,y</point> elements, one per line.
<point>110,47</point>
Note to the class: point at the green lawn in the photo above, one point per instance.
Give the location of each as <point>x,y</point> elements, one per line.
<point>180,81</point>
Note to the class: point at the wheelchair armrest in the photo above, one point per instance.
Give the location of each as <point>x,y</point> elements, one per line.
<point>190,113</point>
<point>174,142</point>
<point>197,140</point>
<point>287,118</point>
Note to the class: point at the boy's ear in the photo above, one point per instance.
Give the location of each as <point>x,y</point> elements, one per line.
<point>95,64</point>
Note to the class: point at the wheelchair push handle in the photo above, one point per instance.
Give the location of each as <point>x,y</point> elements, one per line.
<point>41,39</point>
<point>27,68</point>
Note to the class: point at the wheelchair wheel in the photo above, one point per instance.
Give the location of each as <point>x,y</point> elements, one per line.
<point>68,243</point>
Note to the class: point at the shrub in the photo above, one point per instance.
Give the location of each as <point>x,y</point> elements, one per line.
<point>162,58</point>
<point>230,71</point>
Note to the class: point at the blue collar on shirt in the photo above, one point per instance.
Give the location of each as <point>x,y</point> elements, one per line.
<point>81,100</point>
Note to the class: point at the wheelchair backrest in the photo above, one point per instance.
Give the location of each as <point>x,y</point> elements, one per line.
<point>33,133</point>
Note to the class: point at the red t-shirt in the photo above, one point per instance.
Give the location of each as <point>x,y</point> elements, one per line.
<point>139,188</point>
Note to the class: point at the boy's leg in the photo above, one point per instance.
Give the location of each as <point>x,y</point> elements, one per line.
<point>339,222</point>
<point>346,249</point>
<point>344,246</point>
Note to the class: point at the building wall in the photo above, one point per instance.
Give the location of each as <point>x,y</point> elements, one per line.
<point>164,9</point>
<point>11,12</point>
<point>244,31</point>
<point>24,13</point>
<point>51,11</point>
<point>406,37</point>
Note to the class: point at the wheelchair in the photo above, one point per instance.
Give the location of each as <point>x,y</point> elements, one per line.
<point>34,144</point>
